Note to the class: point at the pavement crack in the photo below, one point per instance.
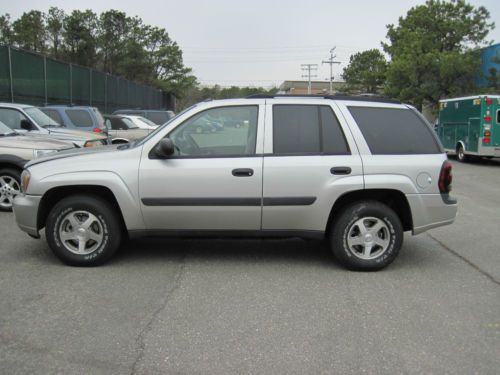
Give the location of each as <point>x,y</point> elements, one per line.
<point>461,257</point>
<point>140,340</point>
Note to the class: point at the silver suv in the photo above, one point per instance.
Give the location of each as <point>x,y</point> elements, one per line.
<point>356,172</point>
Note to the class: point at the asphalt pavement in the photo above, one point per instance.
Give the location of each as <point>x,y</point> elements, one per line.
<point>178,306</point>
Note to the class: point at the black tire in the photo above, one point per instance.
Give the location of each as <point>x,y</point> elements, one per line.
<point>461,156</point>
<point>7,192</point>
<point>107,222</point>
<point>348,223</point>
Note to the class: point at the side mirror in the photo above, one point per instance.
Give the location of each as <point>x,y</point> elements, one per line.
<point>26,125</point>
<point>165,148</point>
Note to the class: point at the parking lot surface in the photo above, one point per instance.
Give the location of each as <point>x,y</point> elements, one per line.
<point>261,306</point>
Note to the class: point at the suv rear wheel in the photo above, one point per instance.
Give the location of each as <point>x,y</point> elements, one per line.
<point>10,186</point>
<point>83,230</point>
<point>367,236</point>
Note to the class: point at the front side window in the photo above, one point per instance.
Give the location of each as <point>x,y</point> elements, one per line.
<point>12,118</point>
<point>80,118</point>
<point>209,134</point>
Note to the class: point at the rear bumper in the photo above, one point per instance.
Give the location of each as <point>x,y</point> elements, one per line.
<point>25,209</point>
<point>431,211</point>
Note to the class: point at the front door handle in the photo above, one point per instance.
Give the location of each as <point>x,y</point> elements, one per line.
<point>243,172</point>
<point>340,170</point>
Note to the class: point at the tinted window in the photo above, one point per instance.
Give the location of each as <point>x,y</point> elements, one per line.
<point>53,114</point>
<point>302,129</point>
<point>80,117</point>
<point>392,131</point>
<point>158,117</point>
<point>333,138</point>
<point>221,131</point>
<point>296,129</point>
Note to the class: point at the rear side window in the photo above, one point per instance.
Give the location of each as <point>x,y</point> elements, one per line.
<point>53,114</point>
<point>307,129</point>
<point>395,131</point>
<point>498,116</point>
<point>80,118</point>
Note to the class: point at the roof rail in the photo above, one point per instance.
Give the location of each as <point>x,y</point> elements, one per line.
<point>377,99</point>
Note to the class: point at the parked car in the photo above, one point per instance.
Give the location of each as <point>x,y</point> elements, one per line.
<point>76,117</point>
<point>159,117</point>
<point>357,172</point>
<point>26,118</point>
<point>122,130</point>
<point>15,151</point>
<point>141,122</point>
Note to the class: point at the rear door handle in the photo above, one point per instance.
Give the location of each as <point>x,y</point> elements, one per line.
<point>243,172</point>
<point>340,170</point>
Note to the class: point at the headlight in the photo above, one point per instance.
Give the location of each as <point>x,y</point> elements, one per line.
<point>25,180</point>
<point>38,153</point>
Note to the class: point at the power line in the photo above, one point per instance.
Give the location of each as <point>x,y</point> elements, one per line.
<point>331,62</point>
<point>309,68</point>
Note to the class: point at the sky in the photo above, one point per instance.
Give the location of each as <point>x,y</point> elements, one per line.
<point>260,42</point>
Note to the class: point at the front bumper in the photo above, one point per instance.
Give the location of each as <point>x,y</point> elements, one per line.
<point>25,209</point>
<point>431,211</point>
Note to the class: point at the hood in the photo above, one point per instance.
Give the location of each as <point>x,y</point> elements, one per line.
<point>34,142</point>
<point>134,134</point>
<point>64,133</point>
<point>75,152</point>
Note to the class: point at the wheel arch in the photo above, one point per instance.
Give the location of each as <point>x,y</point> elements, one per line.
<point>395,199</point>
<point>56,194</point>
<point>12,161</point>
<point>117,141</point>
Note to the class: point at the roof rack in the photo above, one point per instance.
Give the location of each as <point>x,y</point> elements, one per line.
<point>377,99</point>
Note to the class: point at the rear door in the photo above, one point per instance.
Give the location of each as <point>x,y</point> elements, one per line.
<point>310,160</point>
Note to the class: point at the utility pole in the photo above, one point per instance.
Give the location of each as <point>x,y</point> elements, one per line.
<point>331,62</point>
<point>309,68</point>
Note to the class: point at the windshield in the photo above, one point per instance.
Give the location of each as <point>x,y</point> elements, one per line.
<point>159,128</point>
<point>146,121</point>
<point>40,118</point>
<point>130,124</point>
<point>100,119</point>
<point>4,129</point>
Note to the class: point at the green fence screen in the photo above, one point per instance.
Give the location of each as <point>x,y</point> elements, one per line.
<point>30,78</point>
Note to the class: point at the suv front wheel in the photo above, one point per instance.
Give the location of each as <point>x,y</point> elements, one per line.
<point>83,230</point>
<point>367,236</point>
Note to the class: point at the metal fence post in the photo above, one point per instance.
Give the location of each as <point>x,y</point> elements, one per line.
<point>106,93</point>
<point>90,87</point>
<point>45,79</point>
<point>10,75</point>
<point>70,84</point>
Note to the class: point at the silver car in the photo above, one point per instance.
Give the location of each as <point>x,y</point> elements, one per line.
<point>355,172</point>
<point>28,119</point>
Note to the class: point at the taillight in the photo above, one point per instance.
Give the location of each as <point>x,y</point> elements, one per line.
<point>489,101</point>
<point>487,118</point>
<point>445,178</point>
<point>486,141</point>
<point>487,133</point>
<point>97,130</point>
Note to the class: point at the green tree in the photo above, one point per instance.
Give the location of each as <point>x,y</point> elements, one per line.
<point>29,31</point>
<point>434,51</point>
<point>6,33</point>
<point>114,31</point>
<point>366,70</point>
<point>493,77</point>
<point>80,37</point>
<point>55,27</point>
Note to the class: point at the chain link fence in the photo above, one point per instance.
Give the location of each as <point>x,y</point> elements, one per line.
<point>29,78</point>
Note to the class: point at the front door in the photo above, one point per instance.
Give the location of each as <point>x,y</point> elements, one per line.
<point>214,180</point>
